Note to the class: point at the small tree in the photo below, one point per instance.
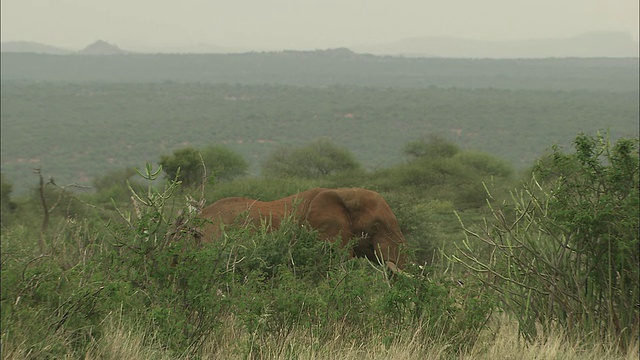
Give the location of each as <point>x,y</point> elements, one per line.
<point>224,163</point>
<point>434,146</point>
<point>318,159</point>
<point>219,161</point>
<point>185,165</point>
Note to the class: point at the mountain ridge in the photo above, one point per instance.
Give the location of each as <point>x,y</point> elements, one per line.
<point>102,47</point>
<point>594,44</point>
<point>32,47</point>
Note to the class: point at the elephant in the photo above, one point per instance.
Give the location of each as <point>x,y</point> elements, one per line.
<point>337,214</point>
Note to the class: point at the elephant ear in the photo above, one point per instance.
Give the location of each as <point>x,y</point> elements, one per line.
<point>329,214</point>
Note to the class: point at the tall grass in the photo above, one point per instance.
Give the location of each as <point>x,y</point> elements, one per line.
<point>123,341</point>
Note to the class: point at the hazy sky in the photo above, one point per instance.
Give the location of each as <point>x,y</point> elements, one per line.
<point>303,24</point>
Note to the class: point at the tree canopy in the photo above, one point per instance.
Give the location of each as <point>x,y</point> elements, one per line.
<point>432,145</point>
<point>318,159</point>
<point>189,164</point>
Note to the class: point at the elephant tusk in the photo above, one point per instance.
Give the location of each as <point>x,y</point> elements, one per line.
<point>394,268</point>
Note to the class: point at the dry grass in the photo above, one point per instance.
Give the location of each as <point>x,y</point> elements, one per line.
<point>121,341</point>
<point>505,344</point>
<point>301,344</point>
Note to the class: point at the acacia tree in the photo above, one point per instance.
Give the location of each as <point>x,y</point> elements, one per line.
<point>318,159</point>
<point>565,251</point>
<point>223,163</point>
<point>431,146</point>
<point>187,164</point>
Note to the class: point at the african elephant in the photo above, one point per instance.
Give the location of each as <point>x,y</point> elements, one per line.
<point>343,214</point>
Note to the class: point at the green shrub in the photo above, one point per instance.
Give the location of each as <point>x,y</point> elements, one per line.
<point>316,160</point>
<point>420,223</point>
<point>263,189</point>
<point>189,164</point>
<point>565,248</point>
<point>485,165</point>
<point>113,187</point>
<point>459,177</point>
<point>224,163</point>
<point>434,146</point>
<point>144,265</point>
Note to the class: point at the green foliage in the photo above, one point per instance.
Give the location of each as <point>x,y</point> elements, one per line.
<point>330,67</point>
<point>189,164</point>
<point>316,160</point>
<point>265,189</point>
<point>223,163</point>
<point>565,249</point>
<point>420,224</point>
<point>146,267</point>
<point>55,296</point>
<point>59,200</point>
<point>433,146</point>
<point>485,164</point>
<point>185,164</point>
<point>438,170</point>
<point>374,123</point>
<point>114,186</point>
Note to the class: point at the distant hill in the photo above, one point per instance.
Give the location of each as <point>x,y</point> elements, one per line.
<point>596,44</point>
<point>198,48</point>
<point>31,47</point>
<point>101,47</point>
<point>588,45</point>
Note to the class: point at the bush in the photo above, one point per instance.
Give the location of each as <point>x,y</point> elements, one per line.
<point>224,163</point>
<point>434,146</point>
<point>420,224</point>
<point>459,177</point>
<point>188,165</point>
<point>318,159</point>
<point>147,268</point>
<point>485,164</point>
<point>113,187</point>
<point>262,189</point>
<point>565,249</point>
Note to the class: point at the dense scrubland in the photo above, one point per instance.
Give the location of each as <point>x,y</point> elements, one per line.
<point>521,218</point>
<point>326,68</point>
<point>77,131</point>
<point>551,256</point>
<point>77,117</point>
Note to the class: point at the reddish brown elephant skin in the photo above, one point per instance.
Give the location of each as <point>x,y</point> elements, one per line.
<point>342,214</point>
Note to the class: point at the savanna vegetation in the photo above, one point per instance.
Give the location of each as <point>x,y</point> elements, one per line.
<point>540,263</point>
<point>326,68</point>
<point>523,234</point>
<point>77,132</point>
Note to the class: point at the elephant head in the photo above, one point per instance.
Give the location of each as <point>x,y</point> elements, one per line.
<point>361,215</point>
<point>347,215</point>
